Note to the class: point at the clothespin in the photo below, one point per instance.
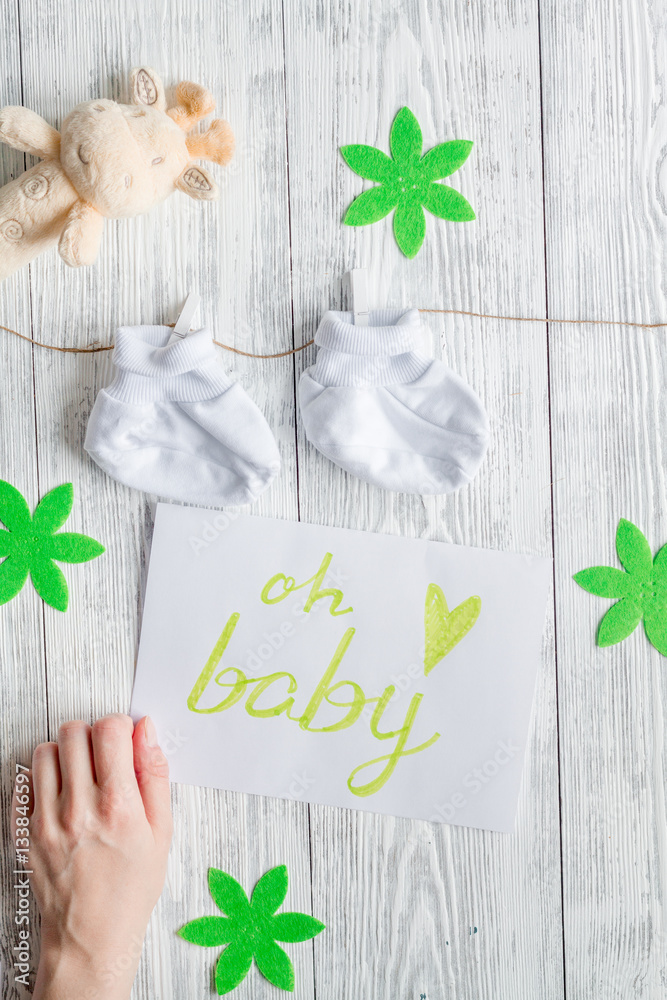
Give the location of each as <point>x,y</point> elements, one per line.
<point>357,283</point>
<point>186,318</point>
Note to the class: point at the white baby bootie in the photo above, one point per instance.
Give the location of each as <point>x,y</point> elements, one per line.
<point>173,423</point>
<point>379,408</point>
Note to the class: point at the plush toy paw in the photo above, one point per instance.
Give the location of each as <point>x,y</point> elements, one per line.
<point>80,240</point>
<point>22,129</point>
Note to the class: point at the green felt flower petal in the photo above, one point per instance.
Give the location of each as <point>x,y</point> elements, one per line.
<point>271,890</point>
<point>7,542</point>
<point>408,182</point>
<point>655,626</point>
<point>619,622</point>
<point>53,509</point>
<point>14,511</point>
<point>445,159</point>
<point>409,227</point>
<point>70,547</point>
<point>633,549</point>
<point>660,564</point>
<point>233,966</point>
<point>447,203</point>
<point>274,964</point>
<point>252,929</point>
<point>405,139</point>
<point>605,581</point>
<point>13,574</point>
<point>370,163</point>
<point>293,927</point>
<point>370,206</point>
<point>50,584</point>
<point>229,896</point>
<point>208,931</point>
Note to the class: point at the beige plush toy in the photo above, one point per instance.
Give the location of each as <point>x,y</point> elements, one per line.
<point>109,161</point>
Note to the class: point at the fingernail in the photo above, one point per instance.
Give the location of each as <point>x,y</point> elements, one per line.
<point>151,735</point>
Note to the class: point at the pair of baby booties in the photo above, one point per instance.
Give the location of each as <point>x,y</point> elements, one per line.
<point>174,424</point>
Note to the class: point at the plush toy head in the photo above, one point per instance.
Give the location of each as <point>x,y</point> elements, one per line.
<point>124,158</point>
<point>110,160</point>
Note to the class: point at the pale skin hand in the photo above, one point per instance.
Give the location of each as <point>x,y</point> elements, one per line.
<point>100,832</point>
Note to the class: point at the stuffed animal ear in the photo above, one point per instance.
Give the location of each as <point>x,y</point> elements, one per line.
<point>198,183</point>
<point>192,103</point>
<point>216,144</point>
<point>147,88</point>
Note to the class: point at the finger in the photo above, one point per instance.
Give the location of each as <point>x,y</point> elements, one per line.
<point>113,754</point>
<point>75,753</point>
<point>152,771</point>
<point>46,778</point>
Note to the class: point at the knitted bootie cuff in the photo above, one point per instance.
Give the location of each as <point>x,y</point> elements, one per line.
<point>386,352</point>
<point>149,368</point>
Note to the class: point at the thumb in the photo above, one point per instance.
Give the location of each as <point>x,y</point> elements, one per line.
<point>152,771</point>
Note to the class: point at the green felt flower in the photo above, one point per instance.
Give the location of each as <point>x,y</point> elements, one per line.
<point>251,929</point>
<point>641,586</point>
<point>408,182</point>
<point>30,544</point>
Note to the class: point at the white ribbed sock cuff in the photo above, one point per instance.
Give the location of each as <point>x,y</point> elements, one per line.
<point>386,352</point>
<point>148,368</point>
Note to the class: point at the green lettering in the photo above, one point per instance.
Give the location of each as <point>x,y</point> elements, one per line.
<point>392,758</point>
<point>323,693</point>
<point>289,585</point>
<point>262,684</point>
<point>210,667</point>
<point>316,594</point>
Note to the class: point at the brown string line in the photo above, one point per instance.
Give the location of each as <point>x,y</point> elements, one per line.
<point>283,354</point>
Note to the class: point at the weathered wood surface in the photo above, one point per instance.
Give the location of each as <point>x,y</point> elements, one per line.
<point>603,73</point>
<point>22,655</point>
<point>565,105</point>
<point>406,895</point>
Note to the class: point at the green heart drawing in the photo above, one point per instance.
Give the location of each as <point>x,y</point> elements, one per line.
<point>444,629</point>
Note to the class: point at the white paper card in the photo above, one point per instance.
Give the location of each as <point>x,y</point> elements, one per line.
<point>259,678</point>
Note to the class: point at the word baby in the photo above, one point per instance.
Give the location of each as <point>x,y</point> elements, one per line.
<point>253,689</point>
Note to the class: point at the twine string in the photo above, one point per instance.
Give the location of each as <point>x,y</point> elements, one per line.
<point>97,348</point>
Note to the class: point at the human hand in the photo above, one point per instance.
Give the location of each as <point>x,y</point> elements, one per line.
<point>100,832</point>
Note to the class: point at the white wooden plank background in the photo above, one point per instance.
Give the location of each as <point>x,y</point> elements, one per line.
<point>605,224</point>
<point>565,103</point>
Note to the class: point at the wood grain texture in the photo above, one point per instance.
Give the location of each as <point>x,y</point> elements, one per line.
<point>236,252</point>
<point>402,898</point>
<point>605,152</point>
<point>22,667</point>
